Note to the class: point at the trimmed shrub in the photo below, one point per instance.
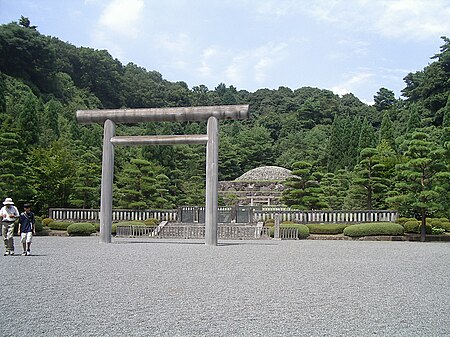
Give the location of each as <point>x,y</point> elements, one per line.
<point>38,224</point>
<point>131,223</point>
<point>437,231</point>
<point>411,226</point>
<point>326,229</point>
<point>113,229</point>
<point>44,232</point>
<point>81,229</point>
<point>151,222</point>
<point>441,223</point>
<point>47,221</point>
<point>446,225</point>
<point>379,228</point>
<point>59,225</point>
<point>402,221</point>
<point>269,222</point>
<point>303,230</point>
<point>97,226</point>
<point>414,227</point>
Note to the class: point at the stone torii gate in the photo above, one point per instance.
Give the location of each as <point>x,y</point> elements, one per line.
<point>211,114</point>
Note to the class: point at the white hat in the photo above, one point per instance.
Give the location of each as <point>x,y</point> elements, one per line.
<point>8,201</point>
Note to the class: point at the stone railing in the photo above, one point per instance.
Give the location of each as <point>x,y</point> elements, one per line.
<point>359,216</point>
<point>235,214</point>
<point>194,231</point>
<point>79,214</point>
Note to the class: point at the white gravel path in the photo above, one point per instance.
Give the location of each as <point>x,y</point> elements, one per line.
<point>138,287</point>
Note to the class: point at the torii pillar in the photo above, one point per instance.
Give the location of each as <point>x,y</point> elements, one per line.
<point>210,113</point>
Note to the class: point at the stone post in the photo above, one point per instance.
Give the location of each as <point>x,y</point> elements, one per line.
<point>107,183</point>
<point>212,181</point>
<point>276,234</point>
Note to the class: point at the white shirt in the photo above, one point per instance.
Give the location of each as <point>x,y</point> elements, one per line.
<point>6,213</point>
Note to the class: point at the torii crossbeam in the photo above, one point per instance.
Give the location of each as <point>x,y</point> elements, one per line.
<point>203,113</point>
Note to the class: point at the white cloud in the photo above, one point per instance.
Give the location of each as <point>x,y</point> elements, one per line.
<point>177,47</point>
<point>266,57</point>
<point>241,68</point>
<point>122,17</point>
<point>205,68</point>
<point>414,19</point>
<point>404,19</point>
<point>352,82</point>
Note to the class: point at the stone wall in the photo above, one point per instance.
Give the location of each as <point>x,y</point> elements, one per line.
<point>252,192</point>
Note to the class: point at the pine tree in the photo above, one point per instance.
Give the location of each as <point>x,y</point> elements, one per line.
<point>27,121</point>
<point>369,183</point>
<point>304,190</point>
<point>13,168</point>
<point>367,137</point>
<point>86,189</point>
<point>419,185</point>
<point>50,132</point>
<point>446,117</point>
<point>137,185</point>
<point>387,131</point>
<point>336,145</point>
<point>414,121</point>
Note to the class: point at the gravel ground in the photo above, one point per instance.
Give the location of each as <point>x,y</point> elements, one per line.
<point>137,287</point>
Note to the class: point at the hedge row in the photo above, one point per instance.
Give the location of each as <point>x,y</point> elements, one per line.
<point>302,230</point>
<point>379,228</point>
<point>412,225</point>
<point>326,228</point>
<point>81,229</point>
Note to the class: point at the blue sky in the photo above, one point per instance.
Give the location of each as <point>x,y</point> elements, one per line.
<point>355,46</point>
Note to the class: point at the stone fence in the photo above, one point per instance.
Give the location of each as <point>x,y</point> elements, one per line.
<point>79,214</point>
<point>235,214</point>
<point>356,216</point>
<point>196,231</point>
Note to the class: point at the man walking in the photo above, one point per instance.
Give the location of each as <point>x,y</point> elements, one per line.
<point>8,214</point>
<point>26,229</point>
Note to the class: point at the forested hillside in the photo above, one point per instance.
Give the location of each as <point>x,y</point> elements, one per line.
<point>346,154</point>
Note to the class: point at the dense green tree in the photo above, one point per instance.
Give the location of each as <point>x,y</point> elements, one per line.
<point>303,189</point>
<point>418,183</point>
<point>53,174</point>
<point>201,96</point>
<point>335,188</point>
<point>367,137</point>
<point>142,88</point>
<point>86,188</point>
<point>387,131</point>
<point>384,99</point>
<point>137,184</point>
<point>101,74</point>
<point>446,116</point>
<point>27,120</point>
<point>343,143</point>
<point>13,170</point>
<point>304,145</point>
<point>430,86</point>
<point>369,182</point>
<point>414,121</point>
<point>229,160</point>
<point>25,22</point>
<point>26,54</point>
<point>50,125</point>
<point>2,94</point>
<point>255,148</point>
